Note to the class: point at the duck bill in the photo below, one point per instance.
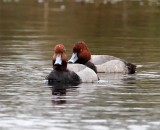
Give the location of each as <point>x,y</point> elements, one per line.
<point>58,60</point>
<point>74,58</point>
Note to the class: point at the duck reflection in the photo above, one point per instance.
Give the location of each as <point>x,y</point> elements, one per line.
<point>59,91</point>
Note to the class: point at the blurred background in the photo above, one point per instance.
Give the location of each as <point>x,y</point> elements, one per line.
<point>29,30</point>
<point>125,28</point>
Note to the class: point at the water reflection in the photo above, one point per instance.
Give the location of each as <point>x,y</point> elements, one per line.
<point>60,92</point>
<point>46,15</point>
<point>28,32</point>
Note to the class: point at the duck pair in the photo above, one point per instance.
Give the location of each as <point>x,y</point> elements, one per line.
<point>82,66</point>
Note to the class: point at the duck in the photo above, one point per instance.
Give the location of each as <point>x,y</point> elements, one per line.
<point>71,74</point>
<point>100,63</point>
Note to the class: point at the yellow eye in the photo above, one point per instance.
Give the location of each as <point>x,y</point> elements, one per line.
<point>81,50</point>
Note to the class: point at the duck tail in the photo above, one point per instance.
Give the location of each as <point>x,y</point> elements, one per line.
<point>131,68</point>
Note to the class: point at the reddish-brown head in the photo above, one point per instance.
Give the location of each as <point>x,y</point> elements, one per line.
<point>59,49</point>
<point>81,53</point>
<point>59,58</point>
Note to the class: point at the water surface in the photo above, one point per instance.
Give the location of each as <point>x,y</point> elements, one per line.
<point>28,32</point>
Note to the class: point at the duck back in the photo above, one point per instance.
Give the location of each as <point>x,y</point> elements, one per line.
<point>85,73</point>
<point>58,76</point>
<point>100,59</point>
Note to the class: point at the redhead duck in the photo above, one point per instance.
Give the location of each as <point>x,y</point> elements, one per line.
<point>101,63</point>
<point>82,55</point>
<point>68,74</point>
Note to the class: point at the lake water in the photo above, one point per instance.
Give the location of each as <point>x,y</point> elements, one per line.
<point>29,30</point>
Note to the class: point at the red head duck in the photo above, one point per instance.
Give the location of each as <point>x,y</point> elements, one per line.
<point>82,55</point>
<point>59,57</point>
<point>103,63</point>
<point>70,74</point>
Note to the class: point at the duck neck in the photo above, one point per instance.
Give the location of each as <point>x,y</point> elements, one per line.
<point>62,67</point>
<point>91,65</point>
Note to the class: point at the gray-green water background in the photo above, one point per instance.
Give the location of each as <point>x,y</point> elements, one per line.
<point>29,29</point>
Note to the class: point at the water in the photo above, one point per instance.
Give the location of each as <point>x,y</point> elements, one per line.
<point>28,32</point>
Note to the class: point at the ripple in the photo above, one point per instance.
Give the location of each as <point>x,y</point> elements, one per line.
<point>115,102</point>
